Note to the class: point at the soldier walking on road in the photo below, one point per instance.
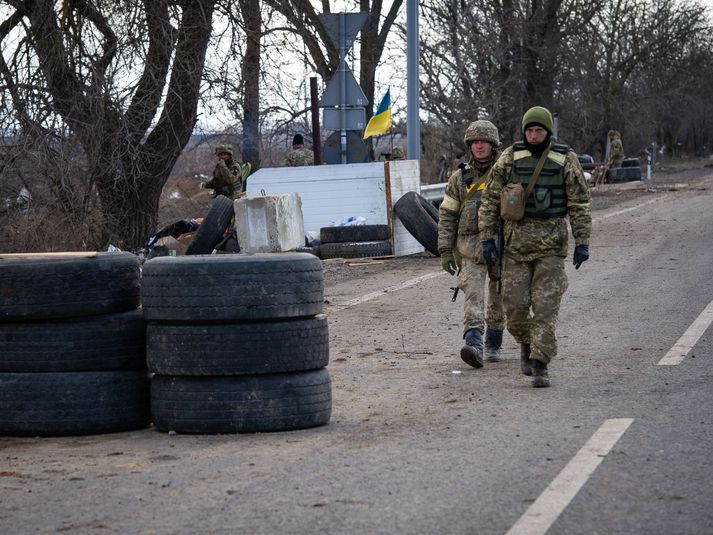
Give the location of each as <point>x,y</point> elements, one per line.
<point>299,155</point>
<point>534,278</point>
<point>227,173</point>
<point>459,245</point>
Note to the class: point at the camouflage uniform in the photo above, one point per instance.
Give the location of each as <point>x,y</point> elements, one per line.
<point>458,232</point>
<point>616,149</point>
<point>299,157</point>
<point>225,178</point>
<point>534,279</point>
<point>397,154</point>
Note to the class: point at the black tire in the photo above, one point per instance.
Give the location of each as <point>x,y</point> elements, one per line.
<point>420,218</point>
<point>211,231</point>
<point>96,343</point>
<point>61,287</point>
<point>74,403</point>
<point>241,404</point>
<point>624,174</point>
<point>308,249</point>
<point>354,233</point>
<point>238,348</point>
<point>355,250</point>
<point>226,288</point>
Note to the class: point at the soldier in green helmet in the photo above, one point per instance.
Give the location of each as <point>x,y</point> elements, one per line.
<point>534,278</point>
<point>397,154</point>
<point>227,175</point>
<point>459,245</point>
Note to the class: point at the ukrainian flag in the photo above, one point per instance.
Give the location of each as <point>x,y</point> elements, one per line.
<point>380,122</point>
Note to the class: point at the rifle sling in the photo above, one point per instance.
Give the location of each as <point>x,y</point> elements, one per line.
<point>536,174</point>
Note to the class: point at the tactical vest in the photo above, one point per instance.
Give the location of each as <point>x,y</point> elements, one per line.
<point>548,199</point>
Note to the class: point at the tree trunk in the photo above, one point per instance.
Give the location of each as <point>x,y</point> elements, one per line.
<point>250,75</point>
<point>128,157</point>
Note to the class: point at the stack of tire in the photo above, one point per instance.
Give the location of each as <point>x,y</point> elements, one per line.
<point>420,218</point>
<point>354,241</point>
<point>72,346</point>
<point>237,343</point>
<point>630,170</point>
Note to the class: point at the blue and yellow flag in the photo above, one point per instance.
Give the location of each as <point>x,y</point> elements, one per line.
<point>380,122</point>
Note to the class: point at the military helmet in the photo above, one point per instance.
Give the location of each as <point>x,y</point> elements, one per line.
<point>540,116</point>
<point>613,134</point>
<point>483,131</point>
<point>227,149</point>
<point>397,153</point>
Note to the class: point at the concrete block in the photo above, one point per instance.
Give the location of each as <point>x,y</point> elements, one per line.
<point>269,224</point>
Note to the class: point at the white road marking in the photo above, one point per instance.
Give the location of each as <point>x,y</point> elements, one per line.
<point>544,511</point>
<point>681,348</point>
<point>388,289</point>
<point>624,210</point>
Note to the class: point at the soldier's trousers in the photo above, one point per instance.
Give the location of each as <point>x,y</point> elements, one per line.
<point>471,280</point>
<point>532,292</point>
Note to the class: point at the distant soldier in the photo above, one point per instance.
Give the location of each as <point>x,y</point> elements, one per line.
<point>616,149</point>
<point>227,175</point>
<point>459,245</point>
<point>534,279</point>
<point>397,154</point>
<point>299,155</point>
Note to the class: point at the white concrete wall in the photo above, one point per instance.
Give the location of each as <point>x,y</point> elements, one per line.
<point>332,192</point>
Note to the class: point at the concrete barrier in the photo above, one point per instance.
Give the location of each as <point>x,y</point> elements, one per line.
<point>269,224</point>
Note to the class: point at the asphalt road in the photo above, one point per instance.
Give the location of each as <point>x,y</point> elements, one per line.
<point>421,443</point>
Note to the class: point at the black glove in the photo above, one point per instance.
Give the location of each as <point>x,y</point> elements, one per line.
<point>490,252</point>
<point>581,254</point>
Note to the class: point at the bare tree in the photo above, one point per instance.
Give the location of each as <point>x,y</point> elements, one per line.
<point>304,21</point>
<point>123,79</point>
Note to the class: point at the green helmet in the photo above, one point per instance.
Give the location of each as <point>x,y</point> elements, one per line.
<point>538,115</point>
<point>227,149</point>
<point>397,153</point>
<point>483,131</point>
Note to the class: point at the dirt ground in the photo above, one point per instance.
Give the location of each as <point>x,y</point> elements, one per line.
<point>406,435</point>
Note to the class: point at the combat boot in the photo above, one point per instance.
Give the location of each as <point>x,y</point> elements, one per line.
<point>540,378</point>
<point>493,341</point>
<point>525,360</point>
<point>472,352</point>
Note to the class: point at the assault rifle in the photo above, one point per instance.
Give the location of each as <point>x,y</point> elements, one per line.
<point>496,274</point>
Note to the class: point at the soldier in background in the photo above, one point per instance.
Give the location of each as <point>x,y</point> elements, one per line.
<point>299,155</point>
<point>616,149</point>
<point>459,245</point>
<point>534,278</point>
<point>397,154</point>
<point>227,175</point>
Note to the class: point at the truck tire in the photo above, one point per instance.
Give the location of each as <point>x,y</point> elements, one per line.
<point>239,348</point>
<point>61,287</point>
<point>420,218</point>
<point>355,249</point>
<point>73,403</point>
<point>227,288</point>
<point>241,404</point>
<point>355,233</point>
<point>95,343</point>
<point>210,233</point>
